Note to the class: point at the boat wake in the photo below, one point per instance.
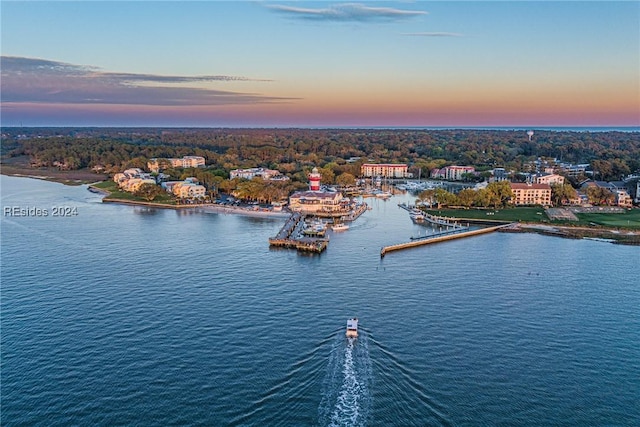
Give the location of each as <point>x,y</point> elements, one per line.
<point>346,397</point>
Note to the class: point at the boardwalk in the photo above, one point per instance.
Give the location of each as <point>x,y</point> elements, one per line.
<point>443,221</point>
<point>438,238</point>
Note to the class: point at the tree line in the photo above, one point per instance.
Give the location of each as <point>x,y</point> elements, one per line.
<point>611,155</point>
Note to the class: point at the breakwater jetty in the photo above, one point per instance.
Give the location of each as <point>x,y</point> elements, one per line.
<point>291,236</point>
<point>436,238</point>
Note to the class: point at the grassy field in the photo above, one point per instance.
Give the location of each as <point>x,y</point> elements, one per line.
<point>75,177</point>
<point>629,219</point>
<point>112,188</point>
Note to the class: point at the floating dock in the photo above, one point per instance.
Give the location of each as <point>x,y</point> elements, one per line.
<point>438,238</point>
<point>290,236</point>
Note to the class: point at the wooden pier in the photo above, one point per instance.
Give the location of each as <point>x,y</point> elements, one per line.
<point>289,237</point>
<point>345,215</point>
<point>438,238</point>
<point>443,221</point>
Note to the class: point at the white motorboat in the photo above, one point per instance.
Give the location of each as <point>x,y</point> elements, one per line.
<point>340,227</point>
<point>352,328</point>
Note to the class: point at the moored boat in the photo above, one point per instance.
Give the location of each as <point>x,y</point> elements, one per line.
<point>339,227</point>
<point>383,194</point>
<point>416,214</point>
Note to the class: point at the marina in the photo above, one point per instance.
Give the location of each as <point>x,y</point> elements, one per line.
<point>295,234</point>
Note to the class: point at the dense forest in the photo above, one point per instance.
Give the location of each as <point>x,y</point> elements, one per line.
<point>611,155</point>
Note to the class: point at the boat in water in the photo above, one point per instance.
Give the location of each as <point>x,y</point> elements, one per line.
<point>340,227</point>
<point>352,328</point>
<point>383,194</point>
<point>316,228</point>
<point>416,215</point>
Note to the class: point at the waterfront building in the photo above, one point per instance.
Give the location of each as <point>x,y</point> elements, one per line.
<point>549,179</point>
<point>187,189</point>
<point>531,194</point>
<point>133,184</point>
<point>316,200</point>
<point>384,170</point>
<point>622,198</point>
<point>131,179</point>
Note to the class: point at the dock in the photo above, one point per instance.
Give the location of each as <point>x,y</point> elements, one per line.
<point>290,236</point>
<point>436,238</point>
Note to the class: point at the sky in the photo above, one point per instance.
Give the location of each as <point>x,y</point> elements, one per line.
<point>320,64</point>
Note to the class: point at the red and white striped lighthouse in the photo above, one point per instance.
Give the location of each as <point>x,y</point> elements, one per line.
<point>314,180</point>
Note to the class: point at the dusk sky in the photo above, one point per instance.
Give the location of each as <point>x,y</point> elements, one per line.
<point>320,64</point>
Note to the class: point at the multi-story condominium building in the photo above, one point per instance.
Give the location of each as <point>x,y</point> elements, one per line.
<point>191,161</point>
<point>549,179</point>
<point>622,198</point>
<point>500,174</point>
<point>266,174</point>
<point>531,194</point>
<point>133,184</point>
<point>384,170</point>
<point>188,190</point>
<point>574,170</point>
<point>452,173</point>
<point>155,165</point>
<point>132,179</point>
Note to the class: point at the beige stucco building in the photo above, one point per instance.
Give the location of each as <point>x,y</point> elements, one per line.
<point>384,170</point>
<point>155,165</point>
<point>531,194</point>
<point>549,179</point>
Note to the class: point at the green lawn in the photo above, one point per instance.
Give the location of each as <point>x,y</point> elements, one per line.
<point>112,187</point>
<point>629,219</point>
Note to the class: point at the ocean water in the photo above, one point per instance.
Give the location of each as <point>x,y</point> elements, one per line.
<point>122,315</point>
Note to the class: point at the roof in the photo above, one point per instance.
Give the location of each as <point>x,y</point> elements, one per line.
<point>524,186</point>
<point>386,165</point>
<point>316,195</point>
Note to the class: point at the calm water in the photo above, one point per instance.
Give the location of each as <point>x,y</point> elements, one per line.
<point>130,316</point>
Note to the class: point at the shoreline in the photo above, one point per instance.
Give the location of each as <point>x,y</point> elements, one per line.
<point>612,235</point>
<point>206,207</point>
<point>79,177</point>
